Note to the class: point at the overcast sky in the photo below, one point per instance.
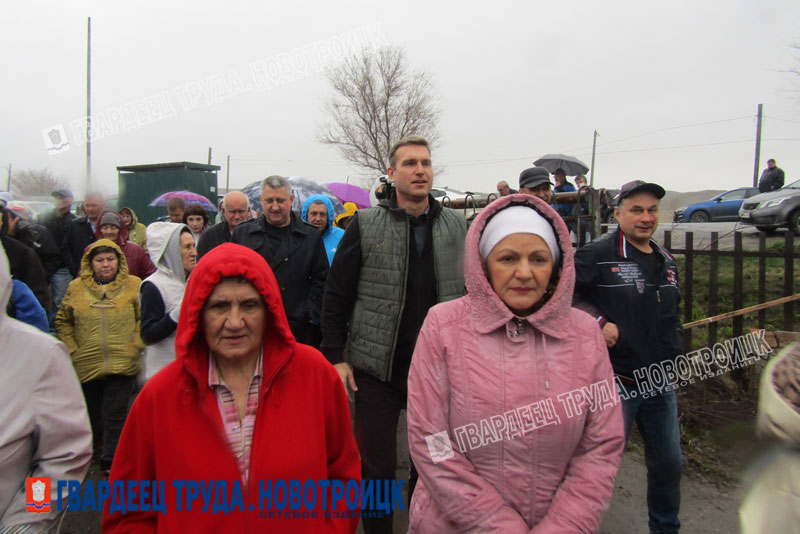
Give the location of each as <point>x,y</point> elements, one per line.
<point>515,80</point>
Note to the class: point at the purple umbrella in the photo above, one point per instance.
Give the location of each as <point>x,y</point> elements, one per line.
<point>350,193</point>
<point>187,196</point>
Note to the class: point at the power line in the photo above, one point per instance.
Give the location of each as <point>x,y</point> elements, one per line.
<point>782,120</point>
<point>663,130</point>
<point>689,146</point>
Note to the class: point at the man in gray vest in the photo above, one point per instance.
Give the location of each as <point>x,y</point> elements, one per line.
<point>394,263</point>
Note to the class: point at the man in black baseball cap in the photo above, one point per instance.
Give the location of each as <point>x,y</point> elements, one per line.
<point>638,186</point>
<point>536,181</point>
<point>629,283</point>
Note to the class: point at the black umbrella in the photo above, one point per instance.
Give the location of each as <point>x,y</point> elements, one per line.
<point>571,165</point>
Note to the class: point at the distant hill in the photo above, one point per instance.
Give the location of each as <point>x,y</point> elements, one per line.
<point>674,200</point>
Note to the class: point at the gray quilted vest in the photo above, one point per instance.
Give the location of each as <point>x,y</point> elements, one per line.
<point>382,283</point>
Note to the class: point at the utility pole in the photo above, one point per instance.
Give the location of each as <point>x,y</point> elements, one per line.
<point>8,184</point>
<point>209,155</point>
<point>758,146</point>
<point>591,170</point>
<point>88,104</point>
<point>228,175</point>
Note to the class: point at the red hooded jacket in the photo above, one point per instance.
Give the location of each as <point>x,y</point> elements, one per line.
<point>174,430</point>
<point>139,263</point>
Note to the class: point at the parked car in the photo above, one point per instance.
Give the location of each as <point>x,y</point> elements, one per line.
<point>608,199</point>
<point>775,209</point>
<point>724,207</point>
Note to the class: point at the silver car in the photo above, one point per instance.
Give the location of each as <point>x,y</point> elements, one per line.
<point>775,209</point>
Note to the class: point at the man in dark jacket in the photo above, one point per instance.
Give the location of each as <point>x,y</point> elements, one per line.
<point>38,238</point>
<point>629,283</point>
<point>235,207</point>
<point>771,178</point>
<point>25,265</point>
<point>57,222</point>
<point>393,264</point>
<point>81,230</point>
<point>295,253</point>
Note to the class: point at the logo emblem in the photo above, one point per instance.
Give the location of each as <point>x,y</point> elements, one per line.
<point>640,285</point>
<point>37,494</point>
<point>439,446</point>
<point>55,139</point>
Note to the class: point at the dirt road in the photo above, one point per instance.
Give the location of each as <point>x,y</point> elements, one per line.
<point>705,509</point>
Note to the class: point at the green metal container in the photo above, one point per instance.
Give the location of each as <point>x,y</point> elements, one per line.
<point>139,185</point>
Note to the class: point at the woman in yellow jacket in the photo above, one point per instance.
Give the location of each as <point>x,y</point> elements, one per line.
<point>99,322</point>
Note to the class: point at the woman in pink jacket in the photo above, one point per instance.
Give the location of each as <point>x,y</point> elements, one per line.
<point>514,423</point>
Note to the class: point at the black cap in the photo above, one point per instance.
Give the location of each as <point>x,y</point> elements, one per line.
<point>638,186</point>
<point>534,177</point>
<point>62,193</point>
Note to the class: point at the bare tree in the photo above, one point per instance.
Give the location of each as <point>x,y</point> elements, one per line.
<point>35,182</point>
<point>377,101</point>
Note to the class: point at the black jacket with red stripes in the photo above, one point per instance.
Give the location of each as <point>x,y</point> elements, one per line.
<point>614,287</point>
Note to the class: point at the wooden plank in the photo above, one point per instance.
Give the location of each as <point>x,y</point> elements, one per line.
<point>688,281</point>
<point>788,280</point>
<point>738,296</point>
<point>763,306</point>
<point>762,277</point>
<point>713,287</point>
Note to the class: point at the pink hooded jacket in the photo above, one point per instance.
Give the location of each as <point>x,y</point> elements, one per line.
<point>512,426</point>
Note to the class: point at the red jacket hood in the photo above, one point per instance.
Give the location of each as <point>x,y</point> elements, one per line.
<point>490,311</point>
<point>231,260</point>
<point>122,238</point>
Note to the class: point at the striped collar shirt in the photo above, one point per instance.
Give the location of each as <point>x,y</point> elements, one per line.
<point>238,432</point>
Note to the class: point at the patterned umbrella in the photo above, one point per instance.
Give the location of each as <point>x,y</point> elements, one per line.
<point>187,196</point>
<point>350,193</point>
<point>302,189</point>
<point>252,191</point>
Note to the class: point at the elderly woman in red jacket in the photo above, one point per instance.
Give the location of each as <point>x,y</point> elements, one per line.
<point>243,403</point>
<point>514,423</point>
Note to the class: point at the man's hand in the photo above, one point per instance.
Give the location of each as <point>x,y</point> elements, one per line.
<point>611,334</point>
<point>346,374</point>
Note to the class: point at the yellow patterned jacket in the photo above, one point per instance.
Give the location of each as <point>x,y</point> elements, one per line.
<point>100,324</point>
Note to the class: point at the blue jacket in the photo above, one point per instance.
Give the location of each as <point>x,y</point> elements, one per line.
<point>26,308</point>
<point>332,235</point>
<point>564,209</point>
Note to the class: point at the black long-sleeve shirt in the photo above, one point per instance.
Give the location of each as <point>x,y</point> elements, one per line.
<point>156,322</point>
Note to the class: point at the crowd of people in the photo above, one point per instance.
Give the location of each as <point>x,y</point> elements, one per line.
<point>242,342</point>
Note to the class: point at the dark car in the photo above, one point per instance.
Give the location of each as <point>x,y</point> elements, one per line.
<point>608,199</point>
<point>724,207</point>
<point>775,209</point>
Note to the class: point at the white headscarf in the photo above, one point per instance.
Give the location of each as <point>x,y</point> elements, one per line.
<point>518,220</point>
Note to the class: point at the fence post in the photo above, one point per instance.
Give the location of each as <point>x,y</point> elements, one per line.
<point>688,281</point>
<point>713,289</point>
<point>788,279</point>
<point>762,277</point>
<point>738,300</point>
